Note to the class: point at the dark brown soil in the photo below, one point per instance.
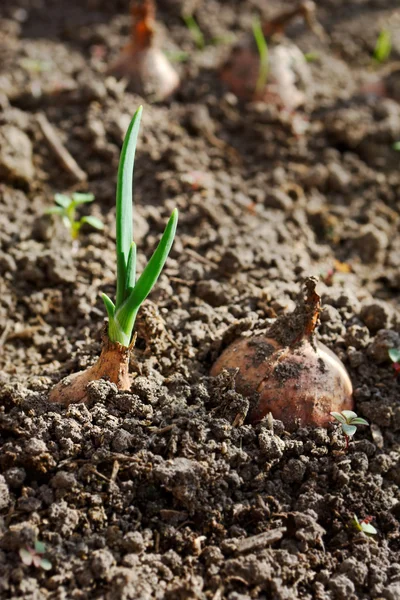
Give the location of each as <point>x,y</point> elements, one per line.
<point>163,492</point>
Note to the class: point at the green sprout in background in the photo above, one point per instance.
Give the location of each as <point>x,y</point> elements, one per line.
<point>34,556</point>
<point>195,30</point>
<point>348,421</point>
<point>311,56</point>
<point>131,293</point>
<point>383,46</point>
<point>263,53</point>
<point>34,65</point>
<point>66,208</point>
<point>364,525</point>
<point>177,55</point>
<point>396,146</point>
<point>198,38</point>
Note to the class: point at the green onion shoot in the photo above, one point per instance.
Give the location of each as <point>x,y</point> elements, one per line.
<point>113,363</point>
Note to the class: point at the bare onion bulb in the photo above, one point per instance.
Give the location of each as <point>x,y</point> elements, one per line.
<point>288,372</point>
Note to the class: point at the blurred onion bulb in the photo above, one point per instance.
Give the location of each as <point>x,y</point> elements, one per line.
<point>142,62</point>
<point>287,80</point>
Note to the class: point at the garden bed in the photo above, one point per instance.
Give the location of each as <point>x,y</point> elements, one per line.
<point>165,491</point>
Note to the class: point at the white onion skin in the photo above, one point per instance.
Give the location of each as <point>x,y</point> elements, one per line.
<point>142,62</point>
<point>148,71</point>
<point>288,81</point>
<point>299,384</point>
<point>112,365</point>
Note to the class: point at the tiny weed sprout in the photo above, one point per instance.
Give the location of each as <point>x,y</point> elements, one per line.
<point>364,525</point>
<point>262,48</point>
<point>34,556</point>
<point>66,208</point>
<point>195,30</point>
<point>394,356</point>
<point>113,363</point>
<point>348,421</point>
<point>383,46</point>
<point>312,56</point>
<point>396,146</point>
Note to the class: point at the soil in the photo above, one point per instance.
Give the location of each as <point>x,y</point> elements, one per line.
<point>164,491</point>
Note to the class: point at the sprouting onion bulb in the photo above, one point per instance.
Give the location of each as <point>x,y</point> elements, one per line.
<point>142,62</point>
<point>268,67</point>
<point>132,293</point>
<point>113,363</point>
<point>287,372</point>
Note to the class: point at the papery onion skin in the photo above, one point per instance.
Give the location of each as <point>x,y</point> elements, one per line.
<point>142,62</point>
<point>287,371</point>
<point>149,72</point>
<point>302,384</point>
<point>112,365</point>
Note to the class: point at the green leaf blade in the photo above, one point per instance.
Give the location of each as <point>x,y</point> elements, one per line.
<point>368,529</point>
<point>62,200</point>
<point>126,314</point>
<point>124,217</point>
<point>349,415</point>
<point>383,46</point>
<point>26,556</point>
<point>79,198</point>
<point>93,222</point>
<point>45,564</point>
<point>54,210</point>
<point>263,53</point>
<point>40,547</point>
<point>109,304</point>
<point>359,421</point>
<point>349,430</point>
<point>195,30</point>
<point>338,416</point>
<point>156,263</point>
<point>131,270</point>
<point>394,355</point>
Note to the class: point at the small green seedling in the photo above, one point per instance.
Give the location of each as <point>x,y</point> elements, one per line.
<point>131,293</point>
<point>34,556</point>
<point>348,421</point>
<point>312,56</point>
<point>177,55</point>
<point>198,38</point>
<point>394,356</point>
<point>263,53</point>
<point>66,208</point>
<point>35,66</point>
<point>364,525</point>
<point>195,30</point>
<point>383,46</point>
<point>396,146</point>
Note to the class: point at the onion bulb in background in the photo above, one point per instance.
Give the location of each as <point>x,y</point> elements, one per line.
<point>287,371</point>
<point>287,80</point>
<point>142,62</point>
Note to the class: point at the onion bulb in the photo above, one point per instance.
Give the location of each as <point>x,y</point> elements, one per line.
<point>112,365</point>
<point>287,371</point>
<point>146,67</point>
<point>287,81</point>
